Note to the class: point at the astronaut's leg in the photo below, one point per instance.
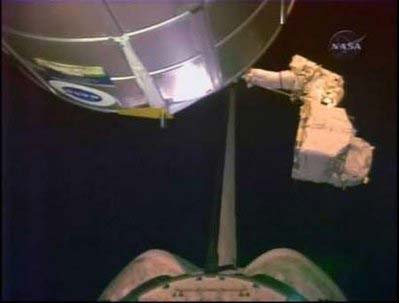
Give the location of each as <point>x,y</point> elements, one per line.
<point>294,269</point>
<point>151,264</point>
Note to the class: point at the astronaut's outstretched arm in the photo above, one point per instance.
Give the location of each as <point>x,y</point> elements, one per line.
<point>326,149</point>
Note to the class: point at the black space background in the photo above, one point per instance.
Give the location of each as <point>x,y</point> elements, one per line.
<point>85,192</point>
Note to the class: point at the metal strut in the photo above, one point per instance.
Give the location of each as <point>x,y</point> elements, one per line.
<point>227,239</point>
<point>282,12</point>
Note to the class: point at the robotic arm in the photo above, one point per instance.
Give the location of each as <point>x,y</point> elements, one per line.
<point>326,148</point>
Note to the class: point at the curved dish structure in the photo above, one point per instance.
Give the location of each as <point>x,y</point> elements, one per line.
<point>116,55</point>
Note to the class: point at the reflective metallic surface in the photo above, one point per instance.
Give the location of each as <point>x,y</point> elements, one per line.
<point>180,51</point>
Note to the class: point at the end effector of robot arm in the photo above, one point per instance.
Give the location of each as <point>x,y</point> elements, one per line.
<point>326,149</point>
<point>308,81</point>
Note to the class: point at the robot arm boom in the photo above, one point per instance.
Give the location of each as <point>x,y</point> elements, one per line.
<point>326,148</point>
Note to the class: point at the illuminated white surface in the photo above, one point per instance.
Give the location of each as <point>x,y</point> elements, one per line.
<point>191,81</point>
